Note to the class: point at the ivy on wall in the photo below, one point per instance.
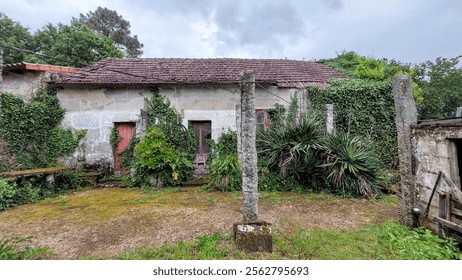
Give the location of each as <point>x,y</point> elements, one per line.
<point>364,108</point>
<point>31,134</point>
<point>167,150</point>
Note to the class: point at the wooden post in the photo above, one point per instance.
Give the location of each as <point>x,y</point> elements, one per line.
<point>441,214</point>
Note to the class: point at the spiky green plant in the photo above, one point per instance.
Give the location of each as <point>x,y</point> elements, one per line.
<point>292,148</point>
<point>351,166</point>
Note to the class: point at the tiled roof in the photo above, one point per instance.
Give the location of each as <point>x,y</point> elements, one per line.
<point>37,67</point>
<point>164,71</point>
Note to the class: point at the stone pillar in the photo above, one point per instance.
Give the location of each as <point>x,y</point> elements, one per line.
<point>459,112</point>
<point>249,152</point>
<point>330,125</point>
<point>251,235</point>
<point>238,134</point>
<point>406,114</point>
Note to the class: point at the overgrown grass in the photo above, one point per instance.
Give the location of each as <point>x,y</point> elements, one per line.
<point>16,248</point>
<point>390,241</point>
<point>206,247</point>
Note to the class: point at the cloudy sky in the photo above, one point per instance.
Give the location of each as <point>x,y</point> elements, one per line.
<point>410,31</point>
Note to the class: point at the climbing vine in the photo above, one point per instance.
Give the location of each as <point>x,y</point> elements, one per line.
<point>31,134</point>
<point>364,108</point>
<point>165,154</point>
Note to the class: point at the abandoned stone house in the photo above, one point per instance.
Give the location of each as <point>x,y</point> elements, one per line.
<point>437,147</point>
<point>111,94</point>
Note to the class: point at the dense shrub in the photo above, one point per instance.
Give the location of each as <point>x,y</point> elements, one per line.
<point>225,173</point>
<point>163,161</point>
<point>31,189</point>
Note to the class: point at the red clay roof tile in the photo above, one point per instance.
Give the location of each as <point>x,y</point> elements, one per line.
<point>162,71</point>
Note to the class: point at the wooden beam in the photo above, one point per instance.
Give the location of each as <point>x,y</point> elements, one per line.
<point>448,224</point>
<point>456,211</point>
<point>31,172</point>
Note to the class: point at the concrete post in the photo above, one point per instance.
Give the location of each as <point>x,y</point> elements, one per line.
<point>406,114</point>
<point>249,151</point>
<point>330,125</point>
<point>301,105</point>
<point>459,112</point>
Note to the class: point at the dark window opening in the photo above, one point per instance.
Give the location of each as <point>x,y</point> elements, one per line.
<point>458,143</point>
<point>263,120</point>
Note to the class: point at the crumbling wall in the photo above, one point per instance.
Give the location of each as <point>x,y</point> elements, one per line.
<point>433,151</point>
<point>25,85</point>
<point>96,110</point>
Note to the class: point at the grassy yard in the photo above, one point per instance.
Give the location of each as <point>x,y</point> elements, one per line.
<point>194,224</point>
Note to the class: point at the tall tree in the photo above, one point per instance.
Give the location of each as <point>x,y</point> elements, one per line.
<point>73,45</point>
<point>13,36</point>
<point>110,24</point>
<point>441,83</point>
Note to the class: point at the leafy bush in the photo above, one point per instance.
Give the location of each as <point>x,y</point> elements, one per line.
<point>272,181</point>
<point>163,160</point>
<point>351,166</point>
<point>419,244</point>
<point>31,189</point>
<point>7,194</point>
<point>167,150</point>
<point>223,163</point>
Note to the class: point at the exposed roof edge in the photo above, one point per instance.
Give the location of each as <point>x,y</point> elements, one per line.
<point>38,67</point>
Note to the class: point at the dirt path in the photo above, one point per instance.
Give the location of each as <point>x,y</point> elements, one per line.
<point>106,222</point>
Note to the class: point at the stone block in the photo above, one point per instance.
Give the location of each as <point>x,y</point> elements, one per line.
<point>253,237</point>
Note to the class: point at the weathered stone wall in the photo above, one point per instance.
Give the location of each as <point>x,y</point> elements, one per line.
<point>25,85</point>
<point>96,110</point>
<point>433,151</point>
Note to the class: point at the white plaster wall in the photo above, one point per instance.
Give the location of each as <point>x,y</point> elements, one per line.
<point>96,110</point>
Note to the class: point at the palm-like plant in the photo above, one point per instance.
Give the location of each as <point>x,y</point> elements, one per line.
<point>292,148</point>
<point>351,166</point>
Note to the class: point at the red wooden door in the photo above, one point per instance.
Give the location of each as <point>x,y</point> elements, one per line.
<point>126,131</point>
<point>203,132</point>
